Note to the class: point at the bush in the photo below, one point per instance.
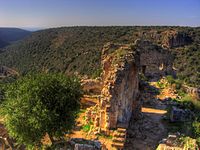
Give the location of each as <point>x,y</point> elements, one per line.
<point>40,104</point>
<point>170,79</point>
<point>161,85</point>
<point>86,128</point>
<point>196,128</point>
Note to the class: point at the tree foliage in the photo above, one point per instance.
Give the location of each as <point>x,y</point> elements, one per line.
<point>40,104</point>
<point>78,49</point>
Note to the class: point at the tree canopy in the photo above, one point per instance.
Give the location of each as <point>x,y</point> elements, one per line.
<point>39,104</point>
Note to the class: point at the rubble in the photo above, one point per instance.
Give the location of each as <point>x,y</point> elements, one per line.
<point>83,144</point>
<point>180,115</point>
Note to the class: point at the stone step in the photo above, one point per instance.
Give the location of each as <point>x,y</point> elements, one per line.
<point>121,130</point>
<point>118,145</point>
<point>120,135</point>
<point>118,139</point>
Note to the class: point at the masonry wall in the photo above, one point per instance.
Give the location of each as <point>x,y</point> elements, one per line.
<point>120,92</point>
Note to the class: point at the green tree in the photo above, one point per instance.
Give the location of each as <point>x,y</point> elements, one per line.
<point>36,105</point>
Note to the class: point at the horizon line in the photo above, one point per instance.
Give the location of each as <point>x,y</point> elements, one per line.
<point>63,26</point>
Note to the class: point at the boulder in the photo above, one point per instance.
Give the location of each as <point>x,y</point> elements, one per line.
<point>83,144</point>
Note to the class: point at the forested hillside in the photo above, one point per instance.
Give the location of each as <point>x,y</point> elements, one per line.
<point>3,43</point>
<point>9,35</point>
<point>78,49</point>
<point>187,59</point>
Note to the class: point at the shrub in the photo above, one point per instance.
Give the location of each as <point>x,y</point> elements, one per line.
<point>38,104</point>
<point>196,128</point>
<point>170,79</point>
<point>86,128</point>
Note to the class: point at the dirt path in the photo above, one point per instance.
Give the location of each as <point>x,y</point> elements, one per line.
<point>146,132</point>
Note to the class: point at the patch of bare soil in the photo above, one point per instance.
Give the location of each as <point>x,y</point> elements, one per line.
<point>78,132</point>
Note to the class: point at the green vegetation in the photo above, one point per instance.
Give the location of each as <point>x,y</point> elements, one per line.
<point>86,128</point>
<point>38,104</point>
<point>184,101</point>
<point>105,136</point>
<point>66,50</point>
<point>9,35</point>
<point>187,59</point>
<point>187,142</point>
<point>78,49</point>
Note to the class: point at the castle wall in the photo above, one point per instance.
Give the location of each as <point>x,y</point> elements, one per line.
<point>120,92</point>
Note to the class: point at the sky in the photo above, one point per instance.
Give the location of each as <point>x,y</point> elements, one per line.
<point>56,13</point>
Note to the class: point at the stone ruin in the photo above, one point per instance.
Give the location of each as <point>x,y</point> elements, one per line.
<point>169,38</point>
<point>119,99</point>
<point>155,61</point>
<point>120,94</point>
<point>174,38</point>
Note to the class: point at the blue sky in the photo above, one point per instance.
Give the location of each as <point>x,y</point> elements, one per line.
<point>55,13</point>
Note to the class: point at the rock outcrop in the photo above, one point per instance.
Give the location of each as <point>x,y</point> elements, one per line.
<point>5,72</point>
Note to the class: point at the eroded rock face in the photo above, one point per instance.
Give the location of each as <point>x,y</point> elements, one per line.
<point>119,96</point>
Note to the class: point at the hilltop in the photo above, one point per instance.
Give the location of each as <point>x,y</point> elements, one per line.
<point>78,49</point>
<point>9,35</point>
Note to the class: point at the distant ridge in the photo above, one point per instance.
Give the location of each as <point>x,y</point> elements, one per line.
<point>9,35</point>
<point>78,49</point>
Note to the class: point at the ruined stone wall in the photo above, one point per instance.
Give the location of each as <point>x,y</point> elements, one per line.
<point>119,96</point>
<point>169,38</point>
<point>155,61</point>
<point>173,38</point>
<point>121,65</point>
<point>93,86</point>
